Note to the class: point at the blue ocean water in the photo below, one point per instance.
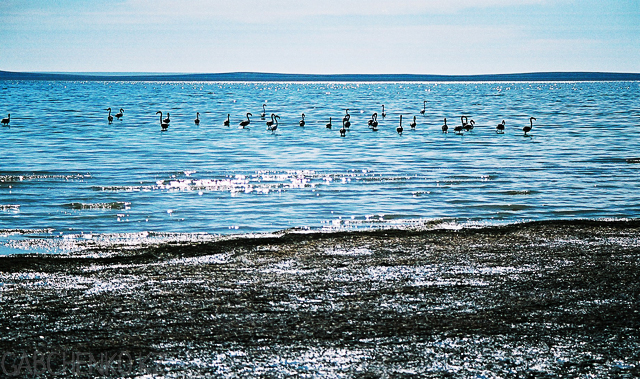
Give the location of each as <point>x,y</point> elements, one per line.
<point>66,173</point>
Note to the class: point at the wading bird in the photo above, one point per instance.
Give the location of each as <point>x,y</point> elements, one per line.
<point>500,128</point>
<point>109,117</point>
<point>302,121</point>
<point>197,120</point>
<point>120,114</point>
<point>163,124</point>
<point>399,129</point>
<point>527,129</point>
<point>6,120</point>
<point>246,122</point>
<point>227,121</point>
<point>445,127</point>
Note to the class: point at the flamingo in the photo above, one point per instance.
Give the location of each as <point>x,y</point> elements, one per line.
<point>270,123</point>
<point>346,122</point>
<point>373,123</point>
<point>343,130</point>
<point>329,125</point>
<point>163,124</point>
<point>227,121</point>
<point>273,127</point>
<point>527,129</point>
<point>247,122</point>
<point>424,108</point>
<point>347,116</point>
<point>263,114</point>
<point>445,127</point>
<point>5,121</point>
<point>120,114</point>
<point>383,113</point>
<point>167,120</point>
<point>413,124</point>
<point>500,127</point>
<point>197,120</point>
<point>469,127</point>
<point>109,117</point>
<point>302,121</point>
<point>458,129</point>
<point>399,129</point>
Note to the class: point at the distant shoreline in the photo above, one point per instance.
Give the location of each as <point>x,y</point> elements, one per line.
<point>277,77</point>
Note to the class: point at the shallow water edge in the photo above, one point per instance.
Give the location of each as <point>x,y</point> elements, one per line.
<point>550,298</point>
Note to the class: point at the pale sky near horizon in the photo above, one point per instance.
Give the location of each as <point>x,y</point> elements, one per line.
<point>320,37</point>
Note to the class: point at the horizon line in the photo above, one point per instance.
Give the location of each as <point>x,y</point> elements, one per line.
<point>273,76</point>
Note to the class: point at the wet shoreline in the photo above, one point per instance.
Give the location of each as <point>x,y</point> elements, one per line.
<point>532,299</point>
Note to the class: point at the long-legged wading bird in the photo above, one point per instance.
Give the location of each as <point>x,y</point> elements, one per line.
<point>347,116</point>
<point>383,112</point>
<point>246,122</point>
<point>445,127</point>
<point>413,124</point>
<point>167,120</point>
<point>120,114</point>
<point>343,130</point>
<point>527,129</point>
<point>469,126</point>
<point>272,121</point>
<point>302,121</point>
<point>109,117</point>
<point>163,124</point>
<point>6,120</point>
<point>264,110</point>
<point>424,108</point>
<point>273,126</point>
<point>227,122</point>
<point>197,120</point>
<point>458,129</point>
<point>329,125</point>
<point>500,128</point>
<point>399,129</point>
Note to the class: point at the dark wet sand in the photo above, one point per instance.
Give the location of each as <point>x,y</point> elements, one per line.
<point>528,300</point>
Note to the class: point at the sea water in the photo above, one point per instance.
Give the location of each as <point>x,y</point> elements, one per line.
<point>68,175</point>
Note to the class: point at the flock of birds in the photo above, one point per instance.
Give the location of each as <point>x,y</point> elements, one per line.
<point>466,125</point>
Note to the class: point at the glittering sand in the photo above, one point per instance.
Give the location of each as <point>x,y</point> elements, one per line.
<point>526,300</point>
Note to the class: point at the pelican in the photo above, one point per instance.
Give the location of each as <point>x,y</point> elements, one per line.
<point>167,120</point>
<point>445,127</point>
<point>343,130</point>
<point>273,127</point>
<point>424,108</point>
<point>302,121</point>
<point>197,120</point>
<point>163,124</point>
<point>383,113</point>
<point>346,121</point>
<point>227,121</point>
<point>329,125</point>
<point>120,114</point>
<point>247,122</point>
<point>500,127</point>
<point>413,124</point>
<point>6,120</point>
<point>399,129</point>
<point>264,110</point>
<point>109,117</point>
<point>527,129</point>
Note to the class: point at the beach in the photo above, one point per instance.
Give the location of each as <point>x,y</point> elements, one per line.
<point>535,299</point>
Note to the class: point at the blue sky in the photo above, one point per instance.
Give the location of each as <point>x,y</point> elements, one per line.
<point>320,37</point>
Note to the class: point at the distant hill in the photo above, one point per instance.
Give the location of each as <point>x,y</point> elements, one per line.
<point>274,77</point>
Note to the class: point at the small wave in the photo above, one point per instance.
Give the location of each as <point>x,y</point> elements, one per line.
<point>112,205</point>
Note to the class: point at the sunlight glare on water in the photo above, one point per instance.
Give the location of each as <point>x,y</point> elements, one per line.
<point>65,170</point>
